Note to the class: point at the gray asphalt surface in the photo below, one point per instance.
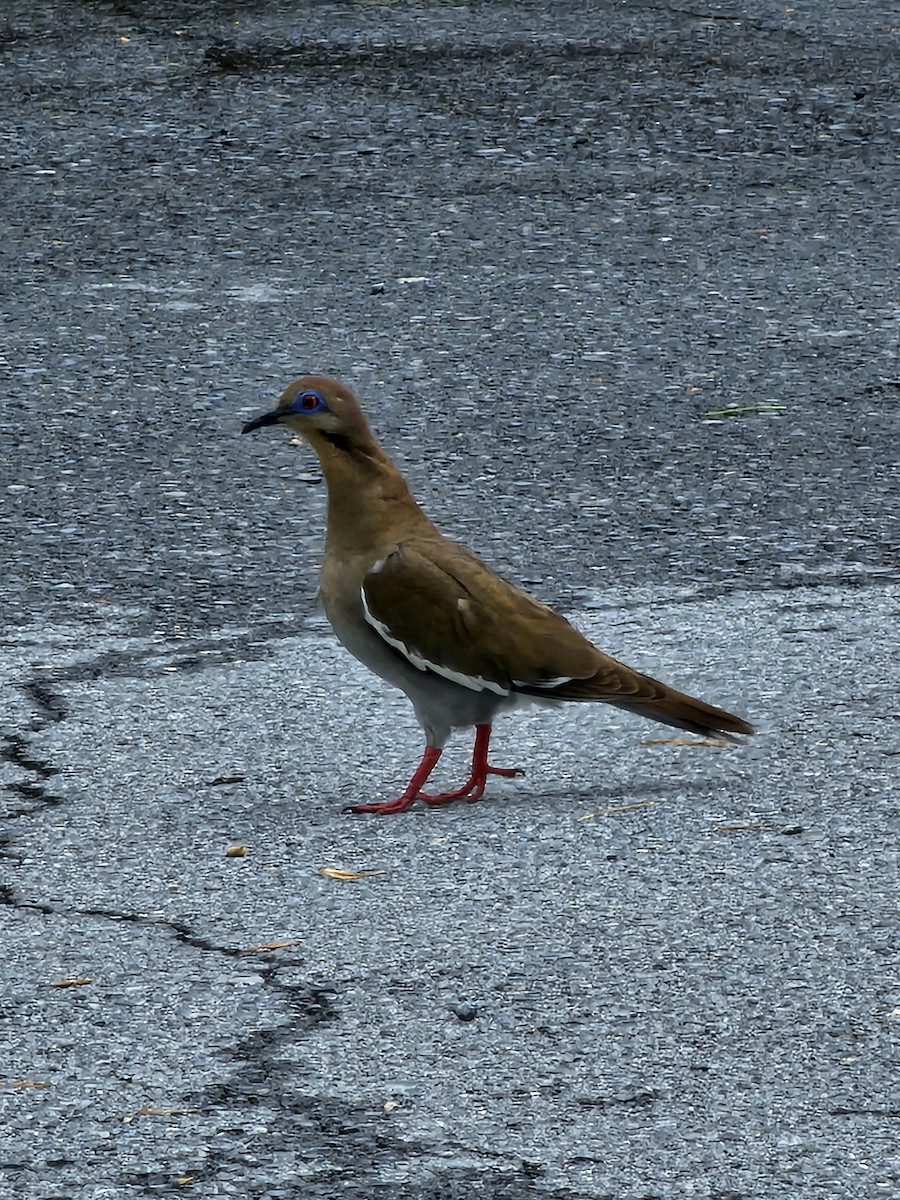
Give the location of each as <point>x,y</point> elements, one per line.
<point>618,287</point>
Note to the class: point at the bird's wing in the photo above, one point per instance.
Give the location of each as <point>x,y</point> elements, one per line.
<point>447,612</point>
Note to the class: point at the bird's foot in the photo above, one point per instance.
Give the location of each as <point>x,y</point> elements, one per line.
<point>385,807</point>
<point>412,793</point>
<point>473,788</point>
<point>470,792</point>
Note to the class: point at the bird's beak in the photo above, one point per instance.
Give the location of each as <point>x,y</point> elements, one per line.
<point>269,418</point>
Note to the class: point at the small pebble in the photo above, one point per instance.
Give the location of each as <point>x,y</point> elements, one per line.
<point>464,1010</point>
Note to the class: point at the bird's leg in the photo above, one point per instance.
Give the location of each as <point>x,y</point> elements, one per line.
<point>473,788</point>
<point>410,795</point>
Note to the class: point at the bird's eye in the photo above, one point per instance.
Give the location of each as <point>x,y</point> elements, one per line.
<point>309,402</point>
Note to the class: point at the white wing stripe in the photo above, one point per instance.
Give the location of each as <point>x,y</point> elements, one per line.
<point>474,682</point>
<point>544,683</point>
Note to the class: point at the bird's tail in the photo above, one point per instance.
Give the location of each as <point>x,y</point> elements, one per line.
<point>627,689</point>
<point>684,712</point>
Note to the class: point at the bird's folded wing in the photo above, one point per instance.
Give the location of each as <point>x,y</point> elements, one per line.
<point>449,613</point>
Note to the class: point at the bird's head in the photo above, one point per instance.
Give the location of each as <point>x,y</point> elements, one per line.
<point>319,408</point>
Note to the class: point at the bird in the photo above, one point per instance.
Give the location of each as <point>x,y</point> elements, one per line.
<point>434,620</point>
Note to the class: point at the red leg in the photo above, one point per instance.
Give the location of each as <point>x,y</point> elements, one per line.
<point>473,788</point>
<point>412,793</point>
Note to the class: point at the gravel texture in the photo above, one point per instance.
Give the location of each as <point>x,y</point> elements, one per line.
<point>617,285</point>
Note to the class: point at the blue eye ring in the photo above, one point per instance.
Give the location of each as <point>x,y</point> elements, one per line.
<point>309,402</point>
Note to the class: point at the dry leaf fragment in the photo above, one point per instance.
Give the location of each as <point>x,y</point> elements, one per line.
<point>334,873</point>
<point>742,410</point>
<point>617,808</point>
<point>270,946</point>
<point>79,982</point>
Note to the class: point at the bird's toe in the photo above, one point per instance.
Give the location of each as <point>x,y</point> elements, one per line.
<point>383,808</point>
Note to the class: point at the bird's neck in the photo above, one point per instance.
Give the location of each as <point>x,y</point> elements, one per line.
<point>369,503</point>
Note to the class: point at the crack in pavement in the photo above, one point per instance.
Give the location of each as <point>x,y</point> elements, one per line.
<point>180,930</point>
<point>49,707</point>
<point>263,1080</point>
<point>34,793</point>
<point>16,749</point>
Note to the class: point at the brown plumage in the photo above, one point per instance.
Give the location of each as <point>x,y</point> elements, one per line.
<point>429,616</point>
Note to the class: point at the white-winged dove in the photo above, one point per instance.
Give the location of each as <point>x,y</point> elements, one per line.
<point>425,614</point>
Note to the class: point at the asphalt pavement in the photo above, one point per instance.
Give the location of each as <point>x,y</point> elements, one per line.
<point>616,284</point>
